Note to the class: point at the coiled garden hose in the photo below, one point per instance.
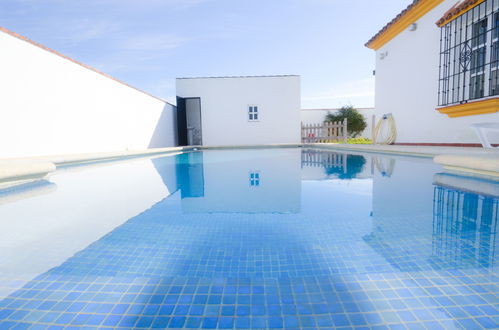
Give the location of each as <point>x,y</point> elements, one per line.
<point>392,130</point>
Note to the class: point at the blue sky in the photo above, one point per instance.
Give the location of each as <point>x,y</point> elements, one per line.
<point>148,43</point>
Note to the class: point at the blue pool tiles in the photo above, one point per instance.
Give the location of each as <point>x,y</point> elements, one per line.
<point>324,269</point>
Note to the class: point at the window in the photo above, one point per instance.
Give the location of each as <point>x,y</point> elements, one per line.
<point>478,55</point>
<point>254,179</point>
<point>253,113</point>
<point>494,57</point>
<point>469,55</point>
<point>479,34</point>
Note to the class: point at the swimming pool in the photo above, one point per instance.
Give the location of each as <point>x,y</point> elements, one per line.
<point>259,238</point>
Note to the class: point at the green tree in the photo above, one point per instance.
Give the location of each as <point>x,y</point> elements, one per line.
<point>356,123</point>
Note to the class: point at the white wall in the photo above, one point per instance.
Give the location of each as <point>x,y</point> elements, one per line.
<point>317,116</point>
<point>407,87</point>
<point>51,105</point>
<point>224,108</point>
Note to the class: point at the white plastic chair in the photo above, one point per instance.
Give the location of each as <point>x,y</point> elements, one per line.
<point>481,130</point>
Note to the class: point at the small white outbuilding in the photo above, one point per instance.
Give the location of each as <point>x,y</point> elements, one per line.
<point>251,110</point>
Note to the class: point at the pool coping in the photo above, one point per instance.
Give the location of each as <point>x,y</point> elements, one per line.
<point>17,171</point>
<point>471,161</point>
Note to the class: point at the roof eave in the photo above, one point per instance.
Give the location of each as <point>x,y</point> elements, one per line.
<point>416,10</point>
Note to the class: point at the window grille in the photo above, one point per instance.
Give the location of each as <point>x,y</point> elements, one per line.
<point>469,56</point>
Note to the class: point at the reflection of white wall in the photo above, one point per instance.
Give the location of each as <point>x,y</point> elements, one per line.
<point>51,105</point>
<point>227,182</point>
<point>43,231</point>
<point>407,86</point>
<point>224,108</point>
<point>402,219</point>
<point>317,116</point>
<point>415,227</point>
<point>313,173</point>
<point>404,201</point>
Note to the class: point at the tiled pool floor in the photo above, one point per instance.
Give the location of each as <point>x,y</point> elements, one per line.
<point>337,262</point>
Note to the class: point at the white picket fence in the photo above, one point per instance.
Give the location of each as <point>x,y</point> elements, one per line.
<point>326,132</point>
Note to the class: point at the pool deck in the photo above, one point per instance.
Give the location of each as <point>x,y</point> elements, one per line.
<point>471,161</point>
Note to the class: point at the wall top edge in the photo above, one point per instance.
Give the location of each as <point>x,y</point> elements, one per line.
<point>237,77</point>
<point>34,43</point>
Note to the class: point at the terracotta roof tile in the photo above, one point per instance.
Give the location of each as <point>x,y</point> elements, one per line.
<point>393,21</point>
<point>458,9</point>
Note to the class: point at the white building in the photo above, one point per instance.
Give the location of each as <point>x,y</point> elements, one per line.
<point>51,104</point>
<point>317,116</point>
<point>437,70</point>
<point>238,110</point>
<point>54,105</point>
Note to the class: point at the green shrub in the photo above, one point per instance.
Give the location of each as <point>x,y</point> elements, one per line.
<point>356,123</point>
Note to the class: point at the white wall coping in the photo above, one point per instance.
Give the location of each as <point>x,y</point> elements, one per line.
<point>486,164</point>
<point>17,171</point>
<point>21,171</point>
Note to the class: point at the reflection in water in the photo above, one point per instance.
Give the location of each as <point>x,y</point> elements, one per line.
<point>464,228</point>
<point>327,160</point>
<point>250,181</point>
<point>354,165</point>
<point>190,174</point>
<point>242,190</point>
<point>384,165</point>
<point>236,239</point>
<point>336,165</point>
<point>419,226</point>
<point>27,190</point>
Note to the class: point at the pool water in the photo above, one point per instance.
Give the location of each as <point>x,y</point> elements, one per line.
<point>266,238</point>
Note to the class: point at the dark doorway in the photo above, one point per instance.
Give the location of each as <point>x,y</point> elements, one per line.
<point>189,121</point>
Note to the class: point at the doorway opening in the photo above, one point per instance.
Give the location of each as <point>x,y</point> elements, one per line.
<point>189,123</point>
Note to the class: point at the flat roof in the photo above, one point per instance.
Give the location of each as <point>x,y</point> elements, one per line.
<point>23,38</point>
<point>231,77</point>
<point>335,109</point>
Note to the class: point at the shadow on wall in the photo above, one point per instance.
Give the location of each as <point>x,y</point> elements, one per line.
<point>165,132</point>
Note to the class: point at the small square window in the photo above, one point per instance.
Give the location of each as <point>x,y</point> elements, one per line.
<point>254,179</point>
<point>253,113</point>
